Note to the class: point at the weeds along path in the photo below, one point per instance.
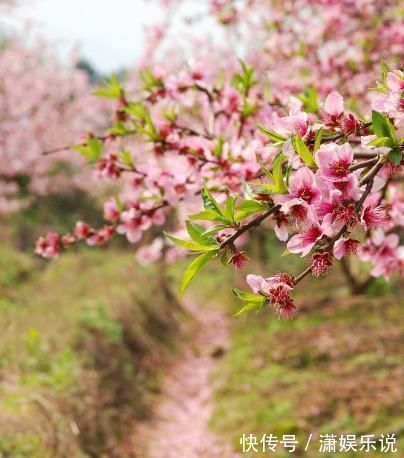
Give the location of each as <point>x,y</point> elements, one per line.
<point>179,428</point>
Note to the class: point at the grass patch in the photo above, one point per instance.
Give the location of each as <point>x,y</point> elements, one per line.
<point>336,369</point>
<point>80,348</point>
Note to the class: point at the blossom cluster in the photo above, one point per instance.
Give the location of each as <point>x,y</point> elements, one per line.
<point>323,174</point>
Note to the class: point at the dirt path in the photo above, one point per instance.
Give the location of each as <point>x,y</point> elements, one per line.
<point>181,415</point>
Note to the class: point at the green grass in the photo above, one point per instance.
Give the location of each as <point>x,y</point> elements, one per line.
<point>334,369</point>
<point>77,337</point>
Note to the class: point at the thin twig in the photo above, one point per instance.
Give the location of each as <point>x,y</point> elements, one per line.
<point>363,164</point>
<point>253,223</point>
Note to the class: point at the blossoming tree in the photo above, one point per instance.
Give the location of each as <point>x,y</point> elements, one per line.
<point>270,143</point>
<point>42,102</point>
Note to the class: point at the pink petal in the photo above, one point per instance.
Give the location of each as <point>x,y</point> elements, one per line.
<point>339,249</point>
<point>296,244</point>
<point>281,232</point>
<point>334,104</point>
<point>255,282</point>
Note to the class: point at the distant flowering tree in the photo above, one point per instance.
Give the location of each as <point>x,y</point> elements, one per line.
<point>293,140</point>
<point>42,103</point>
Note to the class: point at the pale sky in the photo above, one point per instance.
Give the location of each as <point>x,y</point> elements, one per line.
<point>109,32</point>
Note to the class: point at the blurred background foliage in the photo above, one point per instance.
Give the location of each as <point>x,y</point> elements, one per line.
<point>85,338</point>
<point>81,342</point>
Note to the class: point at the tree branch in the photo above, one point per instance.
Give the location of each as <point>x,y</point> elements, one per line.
<point>253,223</point>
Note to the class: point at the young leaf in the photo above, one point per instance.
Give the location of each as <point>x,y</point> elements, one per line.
<point>209,202</point>
<point>245,80</point>
<point>310,100</point>
<point>192,246</point>
<point>224,258</point>
<point>149,80</point>
<point>287,174</point>
<point>381,141</point>
<point>95,146</point>
<point>395,156</point>
<point>218,149</point>
<point>126,158</point>
<point>263,168</point>
<point>263,188</point>
<point>249,306</point>
<point>119,205</point>
<point>247,208</point>
<point>170,114</point>
<point>208,215</point>
<point>382,126</point>
<point>280,187</point>
<point>302,150</point>
<point>112,90</point>
<point>214,229</point>
<point>272,135</point>
<point>317,141</point>
<point>120,130</point>
<point>196,233</point>
<point>248,297</point>
<point>229,208</point>
<point>92,150</point>
<point>248,108</point>
<point>195,267</point>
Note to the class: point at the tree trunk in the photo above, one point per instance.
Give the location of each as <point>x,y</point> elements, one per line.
<point>356,286</point>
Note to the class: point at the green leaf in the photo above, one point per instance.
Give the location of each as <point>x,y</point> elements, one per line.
<point>149,80</point>
<point>229,208</point>
<point>277,174</point>
<point>263,188</point>
<point>112,90</point>
<point>218,149</point>
<point>263,168</point>
<point>120,130</point>
<point>138,111</point>
<point>395,156</point>
<point>247,208</point>
<point>249,306</point>
<point>382,126</point>
<point>192,246</point>
<point>170,114</point>
<point>119,205</point>
<point>309,99</point>
<point>126,158</point>
<point>317,141</point>
<point>209,202</point>
<point>92,150</point>
<point>272,135</point>
<point>303,151</point>
<point>287,174</point>
<point>385,69</point>
<point>381,141</point>
<point>244,80</point>
<point>195,267</point>
<point>95,147</point>
<point>214,229</point>
<point>208,215</point>
<point>247,296</point>
<point>248,108</point>
<point>195,231</point>
<point>224,258</point>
